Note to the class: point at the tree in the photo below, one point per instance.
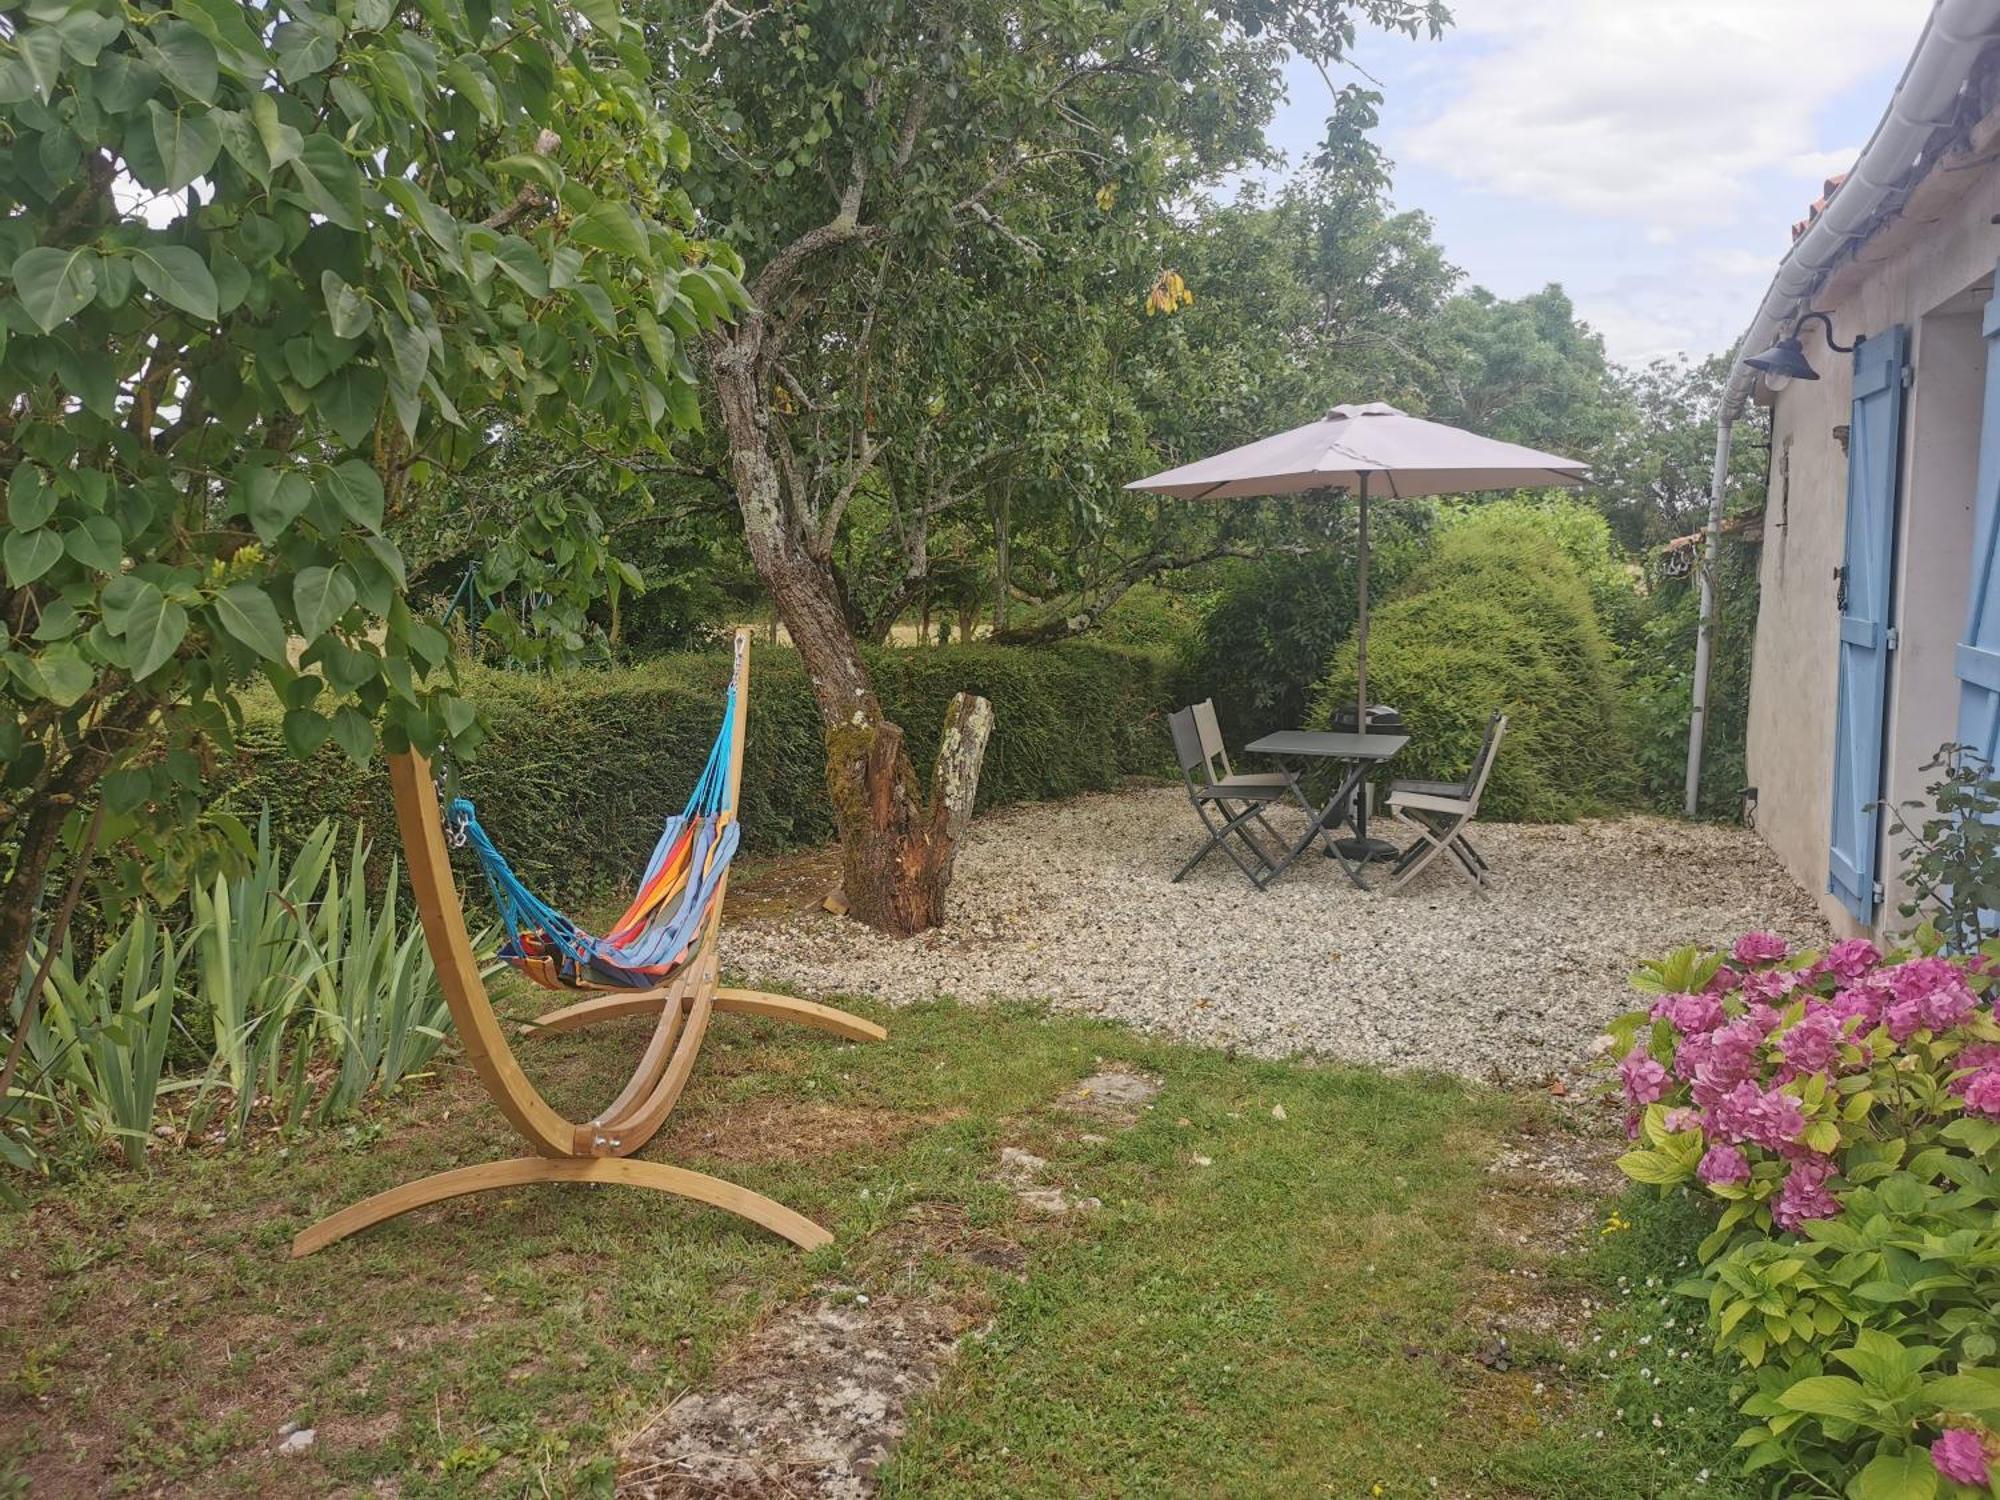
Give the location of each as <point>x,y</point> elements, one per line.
<point>1653,475</point>
<point>1524,370</point>
<point>852,148</point>
<point>275,269</point>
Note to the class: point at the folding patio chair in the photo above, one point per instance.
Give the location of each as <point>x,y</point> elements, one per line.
<point>1440,811</point>
<point>1226,804</point>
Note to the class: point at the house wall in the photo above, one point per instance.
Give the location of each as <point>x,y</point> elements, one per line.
<point>1927,272</point>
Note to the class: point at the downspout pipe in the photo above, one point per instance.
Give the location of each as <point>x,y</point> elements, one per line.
<point>1926,99</point>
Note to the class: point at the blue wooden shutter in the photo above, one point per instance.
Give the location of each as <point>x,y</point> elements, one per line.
<point>1979,652</point>
<point>1874,452</point>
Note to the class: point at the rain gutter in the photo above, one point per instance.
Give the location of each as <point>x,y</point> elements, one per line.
<point>1926,99</point>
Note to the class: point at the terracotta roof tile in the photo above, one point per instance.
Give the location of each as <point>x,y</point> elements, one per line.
<point>1818,207</point>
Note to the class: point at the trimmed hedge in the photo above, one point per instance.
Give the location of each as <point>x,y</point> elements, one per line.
<point>1499,618</point>
<point>578,770</point>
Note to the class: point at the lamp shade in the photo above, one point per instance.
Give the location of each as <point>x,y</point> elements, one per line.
<point>1784,360</point>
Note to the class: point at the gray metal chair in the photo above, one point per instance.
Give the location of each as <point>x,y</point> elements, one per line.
<point>1440,811</point>
<point>1226,804</point>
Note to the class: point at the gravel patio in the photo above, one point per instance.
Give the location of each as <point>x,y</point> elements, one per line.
<point>1072,903</point>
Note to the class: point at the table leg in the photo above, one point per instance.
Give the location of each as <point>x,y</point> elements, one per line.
<point>1319,826</point>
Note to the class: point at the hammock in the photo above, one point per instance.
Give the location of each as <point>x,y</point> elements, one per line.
<point>667,914</point>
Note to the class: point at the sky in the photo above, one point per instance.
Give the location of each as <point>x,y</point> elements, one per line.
<point>1650,155</point>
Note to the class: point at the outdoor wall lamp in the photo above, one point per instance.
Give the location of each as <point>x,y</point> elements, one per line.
<point>1785,361</point>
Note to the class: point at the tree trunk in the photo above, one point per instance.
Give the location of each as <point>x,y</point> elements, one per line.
<point>897,847</point>
<point>1001,559</point>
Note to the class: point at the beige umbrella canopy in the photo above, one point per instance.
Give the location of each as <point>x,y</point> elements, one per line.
<point>1366,449</point>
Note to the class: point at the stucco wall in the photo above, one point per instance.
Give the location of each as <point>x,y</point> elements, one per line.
<point>1927,272</point>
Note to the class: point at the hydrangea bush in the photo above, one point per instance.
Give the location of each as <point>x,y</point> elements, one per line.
<point>1843,1109</point>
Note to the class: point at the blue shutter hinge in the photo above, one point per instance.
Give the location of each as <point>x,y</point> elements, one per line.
<point>1894,639</point>
<point>1909,376</point>
<point>1879,893</point>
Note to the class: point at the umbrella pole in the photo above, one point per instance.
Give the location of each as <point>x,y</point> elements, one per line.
<point>1361,619</point>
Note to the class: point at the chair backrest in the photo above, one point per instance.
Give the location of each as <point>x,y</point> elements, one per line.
<point>1496,731</point>
<point>1210,730</point>
<point>1187,744</point>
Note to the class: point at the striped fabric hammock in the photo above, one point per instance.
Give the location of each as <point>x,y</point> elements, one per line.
<point>667,915</point>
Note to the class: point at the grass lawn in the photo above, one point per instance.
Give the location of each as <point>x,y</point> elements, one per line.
<point>1290,1288</point>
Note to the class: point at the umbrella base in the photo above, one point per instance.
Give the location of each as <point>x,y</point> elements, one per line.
<point>1365,851</point>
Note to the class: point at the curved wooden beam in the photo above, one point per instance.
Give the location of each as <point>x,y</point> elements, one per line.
<point>521,1171</point>
<point>621,1007</point>
<point>804,1012</point>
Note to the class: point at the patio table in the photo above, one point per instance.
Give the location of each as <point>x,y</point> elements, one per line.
<point>1358,754</point>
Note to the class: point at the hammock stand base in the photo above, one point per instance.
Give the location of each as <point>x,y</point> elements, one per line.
<point>739,1002</point>
<point>596,1150</point>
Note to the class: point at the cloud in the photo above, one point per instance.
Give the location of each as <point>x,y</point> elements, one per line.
<point>1663,112</point>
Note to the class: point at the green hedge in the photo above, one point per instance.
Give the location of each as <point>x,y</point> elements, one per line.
<point>1499,618</point>
<point>579,769</point>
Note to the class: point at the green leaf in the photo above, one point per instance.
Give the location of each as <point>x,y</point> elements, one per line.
<point>1827,1396</point>
<point>305,731</point>
<point>320,596</point>
<point>29,554</point>
<point>1971,1390</point>
<point>154,629</point>
<point>349,399</point>
<point>40,49</point>
<point>223,23</point>
<point>188,143</point>
<point>178,275</point>
<point>613,226</point>
<point>275,499</point>
<point>346,309</point>
<point>303,49</point>
<point>55,285</point>
<point>537,169</point>
<point>330,182</point>
<point>30,499</point>
<point>1908,1475</point>
<point>602,14</point>
<point>356,488</point>
<point>353,733</point>
<point>65,675</point>
<point>518,261</point>
<point>244,145</point>
<point>185,58</point>
<point>1654,1167</point>
<point>281,142</point>
<point>248,614</point>
<point>96,543</point>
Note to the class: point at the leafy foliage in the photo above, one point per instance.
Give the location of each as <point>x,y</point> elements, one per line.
<point>581,767</point>
<point>1841,1108</point>
<point>1952,860</point>
<point>1496,620</point>
<point>273,270</point>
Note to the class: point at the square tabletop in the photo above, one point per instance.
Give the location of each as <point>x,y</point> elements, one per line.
<point>1330,745</point>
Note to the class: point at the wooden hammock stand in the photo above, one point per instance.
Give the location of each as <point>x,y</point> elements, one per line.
<point>599,1149</point>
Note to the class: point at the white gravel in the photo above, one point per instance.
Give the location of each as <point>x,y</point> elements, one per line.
<point>1073,903</point>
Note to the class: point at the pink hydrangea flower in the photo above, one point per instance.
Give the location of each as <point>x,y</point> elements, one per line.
<point>1678,1120</point>
<point>1959,1455</point>
<point>1811,1043</point>
<point>1725,980</point>
<point>1982,1093</point>
<point>1770,1118</point>
<point>1689,1013</point>
<point>1723,1166</point>
<point>1770,985</point>
<point>1764,1017</point>
<point>1717,1062</point>
<point>1645,1079</point>
<point>1850,958</point>
<point>1804,1195</point>
<point>1759,948</point>
<point>1861,1003</point>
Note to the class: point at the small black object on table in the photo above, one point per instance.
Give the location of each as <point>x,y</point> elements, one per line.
<point>1359,754</point>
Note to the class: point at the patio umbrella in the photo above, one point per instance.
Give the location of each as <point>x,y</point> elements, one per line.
<point>1363,449</point>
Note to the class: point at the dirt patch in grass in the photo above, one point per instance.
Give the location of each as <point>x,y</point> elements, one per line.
<point>782,1129</point>
<point>782,886</point>
<point>808,1405</point>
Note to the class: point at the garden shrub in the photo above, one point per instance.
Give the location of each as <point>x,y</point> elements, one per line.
<point>1267,638</point>
<point>578,769</point>
<point>1498,619</point>
<point>1842,1110</point>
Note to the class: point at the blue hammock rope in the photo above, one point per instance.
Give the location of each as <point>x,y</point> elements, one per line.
<point>681,881</point>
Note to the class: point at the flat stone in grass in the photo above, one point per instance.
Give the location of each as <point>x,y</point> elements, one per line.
<point>809,1405</point>
<point>1113,1093</point>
